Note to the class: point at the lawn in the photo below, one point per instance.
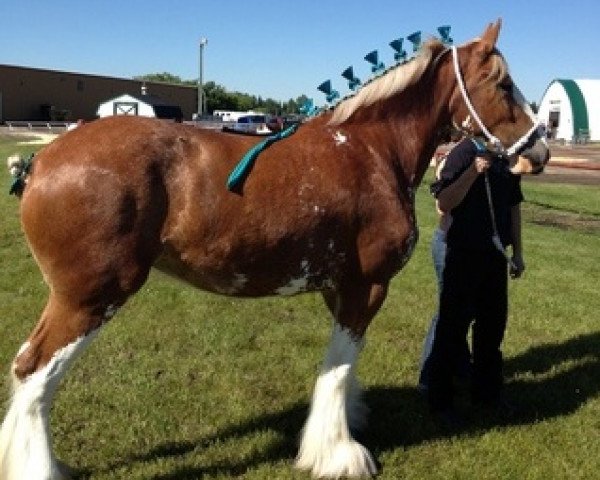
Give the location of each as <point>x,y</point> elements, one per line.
<point>182,384</point>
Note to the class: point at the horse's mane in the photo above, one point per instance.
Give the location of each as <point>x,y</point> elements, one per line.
<point>394,80</point>
<point>499,68</point>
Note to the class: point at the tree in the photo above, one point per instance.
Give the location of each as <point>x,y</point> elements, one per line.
<point>219,98</point>
<point>293,106</point>
<point>273,106</point>
<point>164,77</point>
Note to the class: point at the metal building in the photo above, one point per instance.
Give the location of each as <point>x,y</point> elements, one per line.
<point>570,110</point>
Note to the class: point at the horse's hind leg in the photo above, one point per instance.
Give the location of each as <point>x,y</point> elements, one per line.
<point>62,333</point>
<point>327,447</point>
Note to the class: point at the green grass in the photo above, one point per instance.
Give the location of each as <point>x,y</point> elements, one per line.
<point>579,199</point>
<point>183,385</point>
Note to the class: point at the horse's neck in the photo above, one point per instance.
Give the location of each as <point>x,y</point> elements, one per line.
<point>413,126</point>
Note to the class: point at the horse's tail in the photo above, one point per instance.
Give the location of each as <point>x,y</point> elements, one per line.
<point>19,168</point>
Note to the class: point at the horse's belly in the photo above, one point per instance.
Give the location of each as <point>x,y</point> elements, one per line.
<point>266,275</point>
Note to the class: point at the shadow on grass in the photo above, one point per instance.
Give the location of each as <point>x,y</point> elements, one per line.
<point>399,416</point>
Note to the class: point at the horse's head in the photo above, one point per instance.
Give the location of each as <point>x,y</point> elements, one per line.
<point>486,103</point>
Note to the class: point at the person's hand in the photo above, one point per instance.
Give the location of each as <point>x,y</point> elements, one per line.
<point>481,164</point>
<point>517,266</point>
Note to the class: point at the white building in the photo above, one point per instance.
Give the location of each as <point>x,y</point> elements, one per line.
<point>570,109</point>
<point>142,105</point>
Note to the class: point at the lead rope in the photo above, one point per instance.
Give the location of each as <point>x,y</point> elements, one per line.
<point>495,236</point>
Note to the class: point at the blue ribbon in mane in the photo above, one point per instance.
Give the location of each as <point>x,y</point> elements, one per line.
<point>240,172</point>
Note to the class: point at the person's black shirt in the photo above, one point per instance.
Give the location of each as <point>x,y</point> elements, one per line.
<point>471,220</point>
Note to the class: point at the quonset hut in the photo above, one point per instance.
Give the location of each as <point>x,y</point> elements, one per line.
<point>570,110</point>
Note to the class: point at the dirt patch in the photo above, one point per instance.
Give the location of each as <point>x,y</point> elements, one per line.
<point>589,152</point>
<point>574,164</point>
<point>548,217</point>
<point>577,176</point>
<point>35,138</point>
<point>9,137</point>
<point>28,137</point>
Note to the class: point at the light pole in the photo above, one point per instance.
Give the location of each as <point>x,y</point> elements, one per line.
<point>201,100</point>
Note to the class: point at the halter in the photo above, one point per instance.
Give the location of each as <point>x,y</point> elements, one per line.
<point>493,140</point>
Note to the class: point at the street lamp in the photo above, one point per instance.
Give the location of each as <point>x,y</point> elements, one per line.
<point>201,99</point>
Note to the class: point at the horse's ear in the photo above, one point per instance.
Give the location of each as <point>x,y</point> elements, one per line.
<point>490,37</point>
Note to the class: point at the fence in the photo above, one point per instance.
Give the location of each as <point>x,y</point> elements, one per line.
<point>31,125</point>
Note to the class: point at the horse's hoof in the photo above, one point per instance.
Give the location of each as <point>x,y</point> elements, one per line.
<point>346,459</point>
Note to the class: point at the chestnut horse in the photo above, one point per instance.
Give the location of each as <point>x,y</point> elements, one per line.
<point>330,209</point>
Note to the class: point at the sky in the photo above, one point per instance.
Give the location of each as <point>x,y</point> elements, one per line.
<point>283,49</point>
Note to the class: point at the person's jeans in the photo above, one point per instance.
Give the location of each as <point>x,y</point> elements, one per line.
<point>475,290</point>
<point>438,255</point>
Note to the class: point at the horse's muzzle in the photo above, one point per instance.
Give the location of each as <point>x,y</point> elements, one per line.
<point>533,158</point>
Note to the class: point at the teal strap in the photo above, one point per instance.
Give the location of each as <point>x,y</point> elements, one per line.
<point>481,148</point>
<point>240,172</point>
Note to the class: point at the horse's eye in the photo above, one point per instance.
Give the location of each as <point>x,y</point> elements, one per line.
<point>506,87</point>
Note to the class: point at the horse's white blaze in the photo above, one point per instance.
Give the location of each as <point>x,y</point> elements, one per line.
<point>524,104</point>
<point>25,450</point>
<point>327,447</point>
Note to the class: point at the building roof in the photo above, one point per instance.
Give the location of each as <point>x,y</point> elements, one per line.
<point>152,100</point>
<point>93,75</point>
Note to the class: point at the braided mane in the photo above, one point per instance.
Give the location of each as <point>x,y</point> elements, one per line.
<point>394,80</point>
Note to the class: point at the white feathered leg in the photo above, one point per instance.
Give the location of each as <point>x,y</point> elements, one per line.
<point>327,447</point>
<point>25,447</point>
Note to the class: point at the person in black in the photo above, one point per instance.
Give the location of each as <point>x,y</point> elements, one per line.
<point>475,273</point>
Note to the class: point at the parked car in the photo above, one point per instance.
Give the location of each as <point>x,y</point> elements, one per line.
<point>254,124</point>
<point>275,124</point>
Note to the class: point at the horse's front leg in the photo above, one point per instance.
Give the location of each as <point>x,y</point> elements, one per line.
<point>327,447</point>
